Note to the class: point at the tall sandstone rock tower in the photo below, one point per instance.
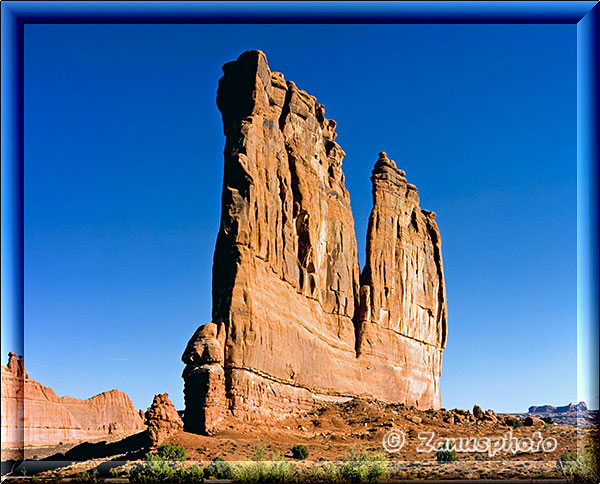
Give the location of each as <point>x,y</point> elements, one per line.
<point>293,321</point>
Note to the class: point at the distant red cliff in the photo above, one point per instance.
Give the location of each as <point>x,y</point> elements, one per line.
<point>34,415</point>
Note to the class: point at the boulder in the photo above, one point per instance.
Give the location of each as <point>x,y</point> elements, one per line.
<point>532,421</point>
<point>477,412</point>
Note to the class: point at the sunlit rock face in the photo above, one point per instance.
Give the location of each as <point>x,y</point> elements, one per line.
<point>294,323</point>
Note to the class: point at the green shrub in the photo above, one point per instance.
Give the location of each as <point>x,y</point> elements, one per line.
<point>515,423</point>
<point>152,471</point>
<point>88,476</point>
<point>446,454</point>
<point>281,471</point>
<point>548,420</point>
<point>299,452</point>
<point>219,468</point>
<point>165,465</point>
<point>580,466</point>
<point>171,452</point>
<point>259,452</point>
<point>249,472</point>
<point>329,472</point>
<point>259,471</point>
<point>192,474</point>
<point>360,466</point>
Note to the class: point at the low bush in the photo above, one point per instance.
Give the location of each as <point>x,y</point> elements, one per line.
<point>249,472</point>
<point>259,452</point>
<point>152,471</point>
<point>192,474</point>
<point>355,467</point>
<point>89,476</point>
<point>360,466</point>
<point>171,452</point>
<point>548,420</point>
<point>329,472</point>
<point>515,423</point>
<point>299,452</point>
<point>580,466</point>
<point>165,465</point>
<point>259,471</point>
<point>446,454</point>
<point>218,468</point>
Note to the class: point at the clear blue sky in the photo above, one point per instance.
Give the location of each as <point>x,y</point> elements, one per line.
<point>123,171</point>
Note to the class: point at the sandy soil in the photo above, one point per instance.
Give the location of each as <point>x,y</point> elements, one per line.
<point>330,432</point>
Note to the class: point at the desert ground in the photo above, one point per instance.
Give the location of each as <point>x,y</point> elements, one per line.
<point>329,433</point>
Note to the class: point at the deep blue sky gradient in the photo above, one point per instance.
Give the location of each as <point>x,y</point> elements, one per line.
<point>123,172</point>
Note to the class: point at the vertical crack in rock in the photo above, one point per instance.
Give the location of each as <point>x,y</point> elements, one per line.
<point>293,322</point>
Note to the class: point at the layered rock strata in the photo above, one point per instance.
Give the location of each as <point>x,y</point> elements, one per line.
<point>294,323</point>
<point>34,415</point>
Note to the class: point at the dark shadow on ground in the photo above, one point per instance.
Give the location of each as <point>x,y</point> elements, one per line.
<point>130,448</point>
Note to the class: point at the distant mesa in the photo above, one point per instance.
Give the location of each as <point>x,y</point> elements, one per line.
<point>295,322</point>
<point>578,415</point>
<point>33,415</point>
<point>580,407</point>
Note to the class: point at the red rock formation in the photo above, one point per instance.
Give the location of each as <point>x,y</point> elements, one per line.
<point>32,414</point>
<point>162,419</point>
<point>403,298</point>
<point>288,326</point>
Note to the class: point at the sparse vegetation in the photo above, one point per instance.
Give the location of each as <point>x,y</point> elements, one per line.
<point>515,423</point>
<point>446,454</point>
<point>89,476</point>
<point>259,452</point>
<point>328,472</point>
<point>299,452</point>
<point>171,452</point>
<point>218,468</point>
<point>548,420</point>
<point>361,466</point>
<point>580,466</point>
<point>192,474</point>
<point>259,470</point>
<point>356,467</point>
<point>166,465</point>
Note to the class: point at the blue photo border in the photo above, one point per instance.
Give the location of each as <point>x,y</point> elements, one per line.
<point>15,14</point>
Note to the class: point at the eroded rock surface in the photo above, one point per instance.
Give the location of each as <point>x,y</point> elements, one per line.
<point>33,414</point>
<point>162,419</point>
<point>293,321</point>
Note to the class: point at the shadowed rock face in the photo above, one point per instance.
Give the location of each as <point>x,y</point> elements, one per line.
<point>293,321</point>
